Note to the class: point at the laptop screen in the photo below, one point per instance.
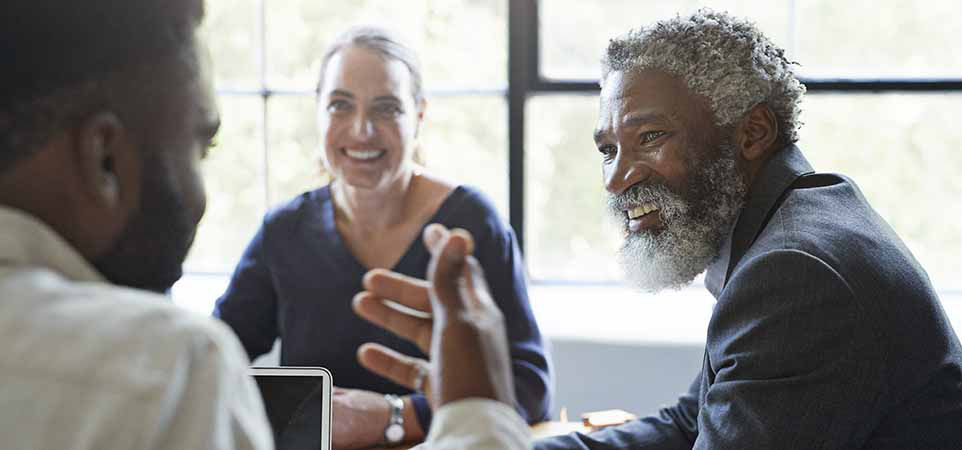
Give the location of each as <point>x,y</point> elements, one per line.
<point>295,407</point>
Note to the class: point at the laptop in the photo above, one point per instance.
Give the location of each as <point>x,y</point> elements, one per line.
<point>298,404</point>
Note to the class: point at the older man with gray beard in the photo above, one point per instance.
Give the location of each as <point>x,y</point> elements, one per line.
<point>826,333</point>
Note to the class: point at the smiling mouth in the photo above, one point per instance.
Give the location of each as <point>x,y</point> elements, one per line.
<point>364,155</point>
<point>641,211</point>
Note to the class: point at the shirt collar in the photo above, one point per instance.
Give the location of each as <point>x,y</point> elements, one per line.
<point>775,177</point>
<point>26,241</point>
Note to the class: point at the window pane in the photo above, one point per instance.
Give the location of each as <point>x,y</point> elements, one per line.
<point>235,191</point>
<point>293,148</point>
<point>568,234</point>
<point>903,152</point>
<point>574,33</point>
<point>464,139</point>
<point>870,38</point>
<point>230,29</point>
<point>461,42</point>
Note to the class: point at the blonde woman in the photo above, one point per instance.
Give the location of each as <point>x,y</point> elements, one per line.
<point>299,274</point>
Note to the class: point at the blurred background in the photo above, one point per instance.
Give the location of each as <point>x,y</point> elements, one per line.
<point>512,98</point>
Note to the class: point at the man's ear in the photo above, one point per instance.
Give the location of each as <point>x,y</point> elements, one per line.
<point>106,159</point>
<point>757,133</point>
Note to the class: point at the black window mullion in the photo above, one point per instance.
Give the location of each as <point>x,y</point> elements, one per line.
<point>522,73</point>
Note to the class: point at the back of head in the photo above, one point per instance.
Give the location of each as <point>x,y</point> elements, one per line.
<point>725,59</point>
<point>57,57</point>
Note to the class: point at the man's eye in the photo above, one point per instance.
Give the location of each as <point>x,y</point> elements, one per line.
<point>608,151</point>
<point>650,136</point>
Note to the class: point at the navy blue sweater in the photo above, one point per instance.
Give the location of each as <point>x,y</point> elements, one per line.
<point>297,278</point>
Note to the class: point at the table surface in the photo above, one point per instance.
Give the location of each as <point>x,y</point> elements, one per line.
<point>538,431</point>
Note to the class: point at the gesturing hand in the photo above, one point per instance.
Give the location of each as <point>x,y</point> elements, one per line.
<point>464,334</point>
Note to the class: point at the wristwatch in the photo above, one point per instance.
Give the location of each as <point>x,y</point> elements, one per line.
<point>394,433</point>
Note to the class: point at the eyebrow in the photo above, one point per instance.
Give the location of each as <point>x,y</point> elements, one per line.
<point>390,98</point>
<point>342,93</point>
<point>634,120</point>
<point>644,118</point>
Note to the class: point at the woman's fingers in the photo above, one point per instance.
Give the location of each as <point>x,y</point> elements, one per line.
<point>415,329</point>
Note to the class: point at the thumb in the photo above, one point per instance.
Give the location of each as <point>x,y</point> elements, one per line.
<point>445,270</point>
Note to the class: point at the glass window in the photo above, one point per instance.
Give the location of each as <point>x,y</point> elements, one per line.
<point>233,177</point>
<point>230,29</point>
<point>878,39</point>
<point>461,43</point>
<point>903,152</point>
<point>568,234</point>
<point>293,151</point>
<point>465,139</point>
<point>574,33</point>
<point>829,38</point>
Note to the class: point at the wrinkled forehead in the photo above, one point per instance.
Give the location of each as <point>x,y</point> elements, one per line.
<point>650,92</point>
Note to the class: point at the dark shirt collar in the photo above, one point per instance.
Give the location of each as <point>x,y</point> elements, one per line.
<point>775,177</point>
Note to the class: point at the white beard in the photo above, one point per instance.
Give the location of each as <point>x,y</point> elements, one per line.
<point>695,225</point>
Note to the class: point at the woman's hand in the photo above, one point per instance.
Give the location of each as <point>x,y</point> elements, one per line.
<point>358,418</point>
<point>465,335</point>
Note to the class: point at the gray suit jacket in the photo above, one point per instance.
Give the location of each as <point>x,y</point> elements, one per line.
<point>826,334</point>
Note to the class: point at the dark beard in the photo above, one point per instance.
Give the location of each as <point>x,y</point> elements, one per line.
<point>150,252</point>
<point>696,221</point>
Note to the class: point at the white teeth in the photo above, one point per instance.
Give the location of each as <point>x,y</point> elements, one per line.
<point>639,211</point>
<point>364,154</point>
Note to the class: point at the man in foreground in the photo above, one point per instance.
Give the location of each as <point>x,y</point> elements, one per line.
<point>106,109</point>
<point>826,333</point>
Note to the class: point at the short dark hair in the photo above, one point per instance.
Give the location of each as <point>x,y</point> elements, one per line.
<point>58,58</point>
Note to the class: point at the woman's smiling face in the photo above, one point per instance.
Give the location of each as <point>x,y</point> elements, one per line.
<point>368,119</point>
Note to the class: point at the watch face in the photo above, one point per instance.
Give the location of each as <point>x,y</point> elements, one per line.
<point>394,433</point>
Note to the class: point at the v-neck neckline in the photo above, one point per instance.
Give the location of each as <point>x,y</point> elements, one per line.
<point>343,254</point>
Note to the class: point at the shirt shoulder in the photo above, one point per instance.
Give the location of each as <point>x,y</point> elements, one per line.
<point>94,332</point>
<point>135,365</point>
<point>304,204</point>
<point>469,208</point>
<point>827,217</point>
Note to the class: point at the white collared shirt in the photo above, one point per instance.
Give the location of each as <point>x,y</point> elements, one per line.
<point>88,365</point>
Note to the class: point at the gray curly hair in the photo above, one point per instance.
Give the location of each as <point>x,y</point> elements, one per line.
<point>725,59</point>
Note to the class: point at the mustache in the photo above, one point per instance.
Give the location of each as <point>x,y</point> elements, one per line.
<point>659,194</point>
